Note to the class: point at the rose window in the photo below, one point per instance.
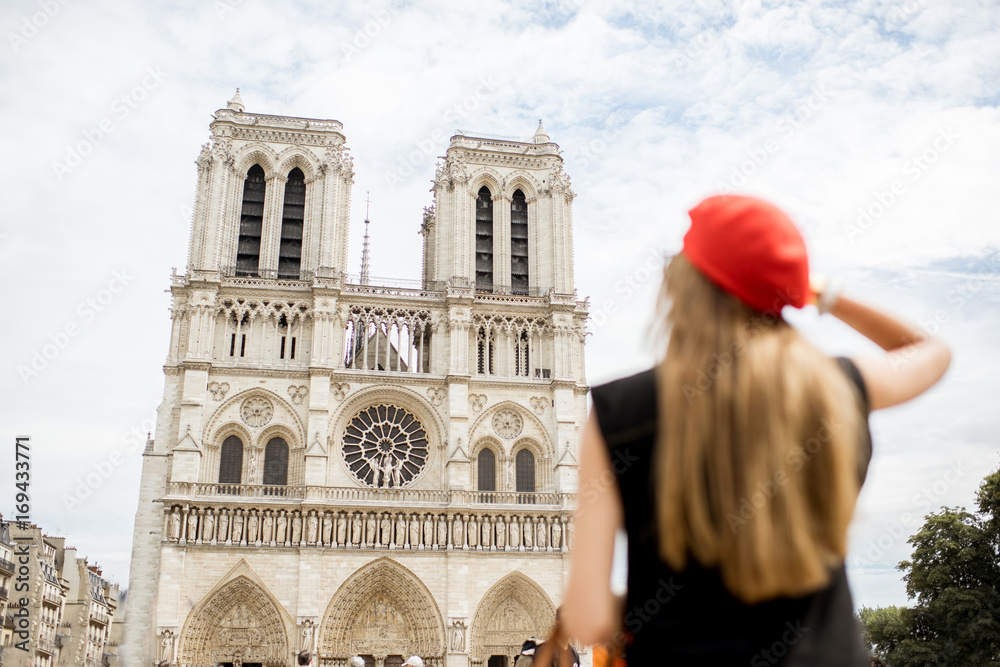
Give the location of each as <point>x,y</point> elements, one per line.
<point>385,446</point>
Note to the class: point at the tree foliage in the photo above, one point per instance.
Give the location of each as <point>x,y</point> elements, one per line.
<point>953,581</point>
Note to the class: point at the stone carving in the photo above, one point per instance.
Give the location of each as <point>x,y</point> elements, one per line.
<point>436,395</point>
<point>414,531</point>
<point>356,529</point>
<point>167,645</point>
<point>442,532</point>
<point>538,404</point>
<point>296,528</point>
<point>542,534</point>
<point>256,411</point>
<point>208,527</point>
<point>308,632</point>
<point>501,536</point>
<point>218,390</point>
<point>192,526</point>
<point>341,530</point>
<point>282,528</point>
<point>223,533</point>
<point>400,538</point>
<point>252,524</point>
<point>238,527</point>
<point>385,446</point>
<point>556,535</point>
<point>327,528</point>
<point>268,527</point>
<point>456,635</point>
<point>312,531</point>
<point>385,530</point>
<point>507,424</point>
<point>298,394</point>
<point>370,530</point>
<point>175,525</point>
<point>339,390</point>
<point>477,401</point>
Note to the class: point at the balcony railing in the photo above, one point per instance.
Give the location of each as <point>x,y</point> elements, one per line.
<point>359,495</point>
<point>6,566</point>
<point>47,645</point>
<point>4,593</point>
<point>51,597</point>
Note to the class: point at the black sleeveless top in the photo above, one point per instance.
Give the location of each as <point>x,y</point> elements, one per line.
<point>688,618</point>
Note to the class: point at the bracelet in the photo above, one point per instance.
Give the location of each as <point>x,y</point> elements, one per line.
<point>828,297</point>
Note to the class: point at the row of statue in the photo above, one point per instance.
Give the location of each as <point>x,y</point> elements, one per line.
<point>392,530</point>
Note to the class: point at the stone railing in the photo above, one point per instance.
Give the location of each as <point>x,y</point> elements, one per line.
<point>526,528</point>
<point>352,495</point>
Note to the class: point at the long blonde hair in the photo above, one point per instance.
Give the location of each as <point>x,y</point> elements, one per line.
<point>756,454</point>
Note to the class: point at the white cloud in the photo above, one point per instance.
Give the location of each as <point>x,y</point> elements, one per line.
<point>654,104</point>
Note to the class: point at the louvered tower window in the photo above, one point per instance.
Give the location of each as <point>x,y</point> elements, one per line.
<point>292,219</point>
<point>276,462</point>
<point>518,243</point>
<point>486,470</point>
<point>251,223</point>
<point>231,461</point>
<point>484,240</point>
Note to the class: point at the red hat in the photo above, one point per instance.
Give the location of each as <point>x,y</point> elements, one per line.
<point>750,249</point>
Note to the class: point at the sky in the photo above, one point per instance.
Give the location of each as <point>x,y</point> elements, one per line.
<point>874,124</point>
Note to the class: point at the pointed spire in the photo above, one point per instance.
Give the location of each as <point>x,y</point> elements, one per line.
<point>540,136</point>
<point>365,253</point>
<point>236,104</point>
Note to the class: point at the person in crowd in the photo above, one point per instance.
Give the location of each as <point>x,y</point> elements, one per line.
<point>305,659</point>
<point>734,464</point>
<point>414,661</point>
<point>357,661</point>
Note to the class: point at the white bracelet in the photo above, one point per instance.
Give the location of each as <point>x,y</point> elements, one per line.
<point>828,297</point>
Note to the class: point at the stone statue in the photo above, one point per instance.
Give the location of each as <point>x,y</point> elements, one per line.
<point>473,532</point>
<point>501,533</point>
<point>458,636</point>
<point>313,528</point>
<point>192,527</point>
<point>487,529</point>
<point>414,531</point>
<point>282,530</point>
<point>175,525</point>
<point>167,645</point>
<point>442,531</point>
<point>307,635</point>
<point>556,535</point>
<point>252,525</point>
<point>542,533</point>
<point>268,526</point>
<point>223,533</point>
<point>208,526</point>
<point>370,530</point>
<point>296,528</point>
<point>400,537</point>
<point>385,529</point>
<point>428,531</point>
<point>529,534</point>
<point>327,528</point>
<point>515,533</point>
<point>569,535</point>
<point>458,532</point>
<point>238,527</point>
<point>341,530</point>
<point>356,529</point>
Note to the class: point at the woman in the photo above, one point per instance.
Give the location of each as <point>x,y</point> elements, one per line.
<point>734,465</point>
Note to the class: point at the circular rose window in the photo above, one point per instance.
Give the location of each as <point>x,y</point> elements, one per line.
<point>385,446</point>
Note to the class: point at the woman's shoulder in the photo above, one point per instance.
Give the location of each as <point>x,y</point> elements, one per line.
<point>626,408</point>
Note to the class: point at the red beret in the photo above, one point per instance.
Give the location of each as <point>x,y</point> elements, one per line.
<point>750,249</point>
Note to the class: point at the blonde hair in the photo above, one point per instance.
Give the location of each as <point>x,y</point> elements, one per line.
<point>756,454</point>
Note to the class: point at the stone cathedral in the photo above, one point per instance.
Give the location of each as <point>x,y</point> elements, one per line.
<point>354,465</point>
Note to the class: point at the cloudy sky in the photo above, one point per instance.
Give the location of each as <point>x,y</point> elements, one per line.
<point>875,124</point>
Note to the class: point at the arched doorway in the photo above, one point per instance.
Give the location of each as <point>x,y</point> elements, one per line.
<point>513,610</point>
<point>383,612</point>
<point>238,625</point>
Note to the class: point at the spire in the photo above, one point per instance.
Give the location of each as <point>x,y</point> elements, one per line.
<point>365,254</point>
<point>540,136</point>
<point>236,104</point>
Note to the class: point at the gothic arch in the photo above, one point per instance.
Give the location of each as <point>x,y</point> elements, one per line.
<point>488,177</point>
<point>296,156</point>
<point>512,610</point>
<point>402,397</point>
<point>212,446</point>
<point>383,608</point>
<point>284,413</point>
<point>255,154</point>
<point>533,427</point>
<point>296,452</point>
<point>500,455</point>
<point>524,183</point>
<point>241,618</point>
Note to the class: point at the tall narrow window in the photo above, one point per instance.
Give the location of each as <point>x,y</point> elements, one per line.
<point>486,470</point>
<point>484,240</point>
<point>524,464</point>
<point>276,462</point>
<point>231,461</point>
<point>485,345</point>
<point>521,354</point>
<point>251,223</point>
<point>292,219</point>
<point>518,243</point>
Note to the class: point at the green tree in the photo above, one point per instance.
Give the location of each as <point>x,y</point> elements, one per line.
<point>953,580</point>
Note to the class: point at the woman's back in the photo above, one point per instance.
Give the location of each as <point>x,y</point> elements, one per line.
<point>690,615</point>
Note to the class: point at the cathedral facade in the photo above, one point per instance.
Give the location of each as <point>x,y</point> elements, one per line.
<point>351,467</point>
